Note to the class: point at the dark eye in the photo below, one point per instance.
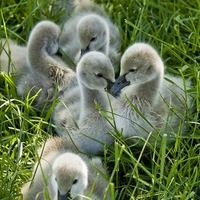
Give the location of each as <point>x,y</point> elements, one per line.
<point>75,181</point>
<point>132,70</point>
<point>93,39</point>
<point>56,179</point>
<point>99,75</point>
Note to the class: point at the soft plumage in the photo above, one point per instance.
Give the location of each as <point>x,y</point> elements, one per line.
<point>67,174</point>
<point>13,58</point>
<point>43,64</point>
<point>159,104</point>
<point>42,48</point>
<point>90,29</point>
<point>37,65</point>
<point>94,73</point>
<point>67,7</point>
<point>14,62</point>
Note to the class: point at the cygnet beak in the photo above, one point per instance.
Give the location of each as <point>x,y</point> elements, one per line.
<point>64,196</point>
<point>59,52</point>
<point>84,51</point>
<point>109,86</point>
<point>120,83</point>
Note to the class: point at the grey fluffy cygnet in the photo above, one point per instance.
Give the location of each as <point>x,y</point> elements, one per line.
<point>45,69</point>
<point>148,103</point>
<point>90,29</point>
<point>37,67</point>
<point>94,74</point>
<point>62,173</point>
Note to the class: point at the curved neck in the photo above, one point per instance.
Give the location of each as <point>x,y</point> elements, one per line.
<point>104,48</point>
<point>149,91</point>
<point>39,60</point>
<point>88,99</point>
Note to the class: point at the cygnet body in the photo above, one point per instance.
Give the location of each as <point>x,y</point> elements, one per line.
<point>13,58</point>
<point>37,66</point>
<point>46,70</point>
<point>148,103</point>
<point>94,74</point>
<point>90,29</point>
<point>62,173</point>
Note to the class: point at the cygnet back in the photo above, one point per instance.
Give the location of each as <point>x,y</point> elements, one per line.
<point>11,61</point>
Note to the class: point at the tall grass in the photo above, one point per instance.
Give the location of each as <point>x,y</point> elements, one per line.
<point>168,172</point>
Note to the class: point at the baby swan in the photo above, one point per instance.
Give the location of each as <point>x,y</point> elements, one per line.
<point>43,46</point>
<point>90,29</point>
<point>148,103</point>
<point>95,74</point>
<point>43,64</point>
<point>64,174</point>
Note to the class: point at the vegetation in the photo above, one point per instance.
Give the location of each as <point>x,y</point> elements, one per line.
<point>147,172</point>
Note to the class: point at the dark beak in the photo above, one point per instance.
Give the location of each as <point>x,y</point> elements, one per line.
<point>109,86</point>
<point>59,52</point>
<point>64,196</point>
<point>120,83</point>
<point>84,51</point>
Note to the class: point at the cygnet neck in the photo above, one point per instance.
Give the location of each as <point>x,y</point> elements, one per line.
<point>88,98</point>
<point>104,48</point>
<point>39,57</point>
<point>148,91</point>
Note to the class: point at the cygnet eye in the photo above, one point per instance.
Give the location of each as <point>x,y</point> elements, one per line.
<point>132,70</point>
<point>56,179</point>
<point>75,181</point>
<point>93,39</point>
<point>99,75</point>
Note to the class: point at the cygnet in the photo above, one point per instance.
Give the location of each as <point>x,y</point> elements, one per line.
<point>90,29</point>
<point>62,173</point>
<point>95,74</point>
<point>46,70</point>
<point>147,103</point>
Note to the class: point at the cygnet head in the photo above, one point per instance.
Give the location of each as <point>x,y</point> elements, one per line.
<point>71,175</point>
<point>95,71</point>
<point>93,34</point>
<point>139,64</point>
<point>44,37</point>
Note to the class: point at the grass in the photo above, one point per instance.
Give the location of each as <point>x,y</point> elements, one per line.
<point>169,172</point>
